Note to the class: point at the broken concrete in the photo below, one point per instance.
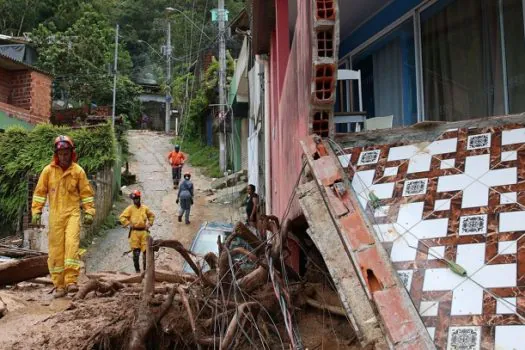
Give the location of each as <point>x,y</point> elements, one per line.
<point>230,180</point>
<point>351,292</point>
<point>369,259</point>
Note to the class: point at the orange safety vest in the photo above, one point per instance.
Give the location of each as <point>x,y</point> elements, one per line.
<point>176,158</point>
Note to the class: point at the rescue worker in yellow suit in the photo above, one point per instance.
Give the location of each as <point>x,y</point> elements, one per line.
<point>139,218</point>
<point>67,188</point>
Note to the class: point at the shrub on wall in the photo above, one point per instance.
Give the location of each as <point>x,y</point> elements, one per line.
<point>24,153</point>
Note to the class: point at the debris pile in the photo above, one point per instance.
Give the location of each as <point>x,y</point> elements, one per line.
<point>245,297</point>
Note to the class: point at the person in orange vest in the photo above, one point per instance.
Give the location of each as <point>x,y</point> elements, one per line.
<point>139,218</point>
<point>65,184</point>
<point>176,159</point>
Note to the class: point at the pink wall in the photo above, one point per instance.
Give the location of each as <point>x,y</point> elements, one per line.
<point>290,113</point>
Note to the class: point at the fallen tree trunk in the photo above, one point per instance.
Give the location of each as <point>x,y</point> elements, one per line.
<point>15,271</point>
<point>144,320</point>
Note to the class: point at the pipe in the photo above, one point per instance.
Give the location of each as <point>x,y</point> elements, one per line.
<point>267,139</point>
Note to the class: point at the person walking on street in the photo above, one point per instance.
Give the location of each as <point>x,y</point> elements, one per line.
<point>65,184</point>
<point>185,197</point>
<point>176,159</point>
<point>252,205</point>
<point>139,218</point>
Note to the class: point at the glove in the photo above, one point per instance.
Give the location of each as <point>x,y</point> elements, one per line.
<point>177,201</point>
<point>35,219</point>
<point>88,219</point>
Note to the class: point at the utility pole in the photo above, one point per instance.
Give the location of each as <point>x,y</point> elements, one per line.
<point>222,86</point>
<point>168,77</point>
<point>115,78</point>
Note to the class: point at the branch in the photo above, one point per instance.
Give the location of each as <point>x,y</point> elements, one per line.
<point>336,310</point>
<point>232,327</point>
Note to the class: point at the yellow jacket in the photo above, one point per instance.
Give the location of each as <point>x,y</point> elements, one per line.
<point>66,190</point>
<point>137,218</point>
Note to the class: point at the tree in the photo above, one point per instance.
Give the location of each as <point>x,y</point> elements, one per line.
<point>80,58</point>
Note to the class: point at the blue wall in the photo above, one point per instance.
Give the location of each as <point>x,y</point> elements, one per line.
<point>385,17</point>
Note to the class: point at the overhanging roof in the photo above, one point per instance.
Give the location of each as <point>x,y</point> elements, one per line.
<point>10,64</point>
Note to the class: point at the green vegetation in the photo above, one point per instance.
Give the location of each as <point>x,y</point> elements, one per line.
<point>204,157</point>
<point>25,153</point>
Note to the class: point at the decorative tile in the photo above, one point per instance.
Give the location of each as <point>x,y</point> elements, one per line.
<point>448,163</point>
<point>442,205</point>
<point>478,141</point>
<point>510,137</point>
<point>510,337</point>
<point>432,332</point>
<point>508,198</point>
<point>344,160</point>
<point>392,171</point>
<point>464,338</point>
<point>512,221</point>
<point>508,156</point>
<point>476,181</point>
<point>369,157</point>
<point>449,210</point>
<point>506,306</point>
<point>436,253</point>
<point>415,187</point>
<point>473,225</point>
<point>406,277</point>
<point>507,247</point>
<point>429,308</point>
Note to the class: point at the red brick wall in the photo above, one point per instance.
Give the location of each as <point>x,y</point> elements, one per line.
<point>22,114</point>
<point>5,85</point>
<point>40,95</point>
<point>20,89</point>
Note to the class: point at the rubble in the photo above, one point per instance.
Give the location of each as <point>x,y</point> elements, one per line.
<point>225,307</point>
<point>230,180</point>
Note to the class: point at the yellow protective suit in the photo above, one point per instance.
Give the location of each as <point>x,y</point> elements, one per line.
<point>137,218</point>
<point>67,191</point>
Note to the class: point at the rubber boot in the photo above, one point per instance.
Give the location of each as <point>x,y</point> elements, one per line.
<point>180,218</point>
<point>136,258</point>
<point>144,260</point>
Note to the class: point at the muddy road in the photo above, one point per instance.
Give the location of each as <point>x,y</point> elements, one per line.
<point>149,163</point>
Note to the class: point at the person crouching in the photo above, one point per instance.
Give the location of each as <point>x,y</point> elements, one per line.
<point>139,219</point>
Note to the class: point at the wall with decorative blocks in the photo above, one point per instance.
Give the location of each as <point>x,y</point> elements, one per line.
<point>452,213</point>
<point>305,101</point>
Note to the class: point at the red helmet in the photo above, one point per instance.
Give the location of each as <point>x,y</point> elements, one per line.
<point>135,194</point>
<point>63,142</point>
<point>187,175</point>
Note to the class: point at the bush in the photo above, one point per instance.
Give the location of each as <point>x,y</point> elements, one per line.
<point>24,153</point>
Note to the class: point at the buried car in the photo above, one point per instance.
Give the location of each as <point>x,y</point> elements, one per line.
<point>205,241</point>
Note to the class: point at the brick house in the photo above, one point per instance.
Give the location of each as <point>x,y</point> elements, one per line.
<point>25,94</point>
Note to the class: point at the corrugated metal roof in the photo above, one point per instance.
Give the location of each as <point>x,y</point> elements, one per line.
<point>11,64</point>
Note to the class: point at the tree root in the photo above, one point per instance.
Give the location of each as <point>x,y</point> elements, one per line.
<point>107,288</point>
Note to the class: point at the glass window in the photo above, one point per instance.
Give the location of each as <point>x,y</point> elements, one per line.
<point>462,61</point>
<point>389,77</point>
<point>515,53</point>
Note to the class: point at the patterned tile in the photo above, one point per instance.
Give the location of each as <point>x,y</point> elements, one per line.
<point>368,157</point>
<point>457,202</point>
<point>478,141</point>
<point>464,338</point>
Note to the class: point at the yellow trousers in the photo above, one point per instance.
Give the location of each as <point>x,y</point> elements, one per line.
<point>138,239</point>
<point>63,258</point>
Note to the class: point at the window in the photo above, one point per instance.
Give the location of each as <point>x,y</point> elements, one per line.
<point>462,63</point>
<point>514,43</point>
<point>388,76</point>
